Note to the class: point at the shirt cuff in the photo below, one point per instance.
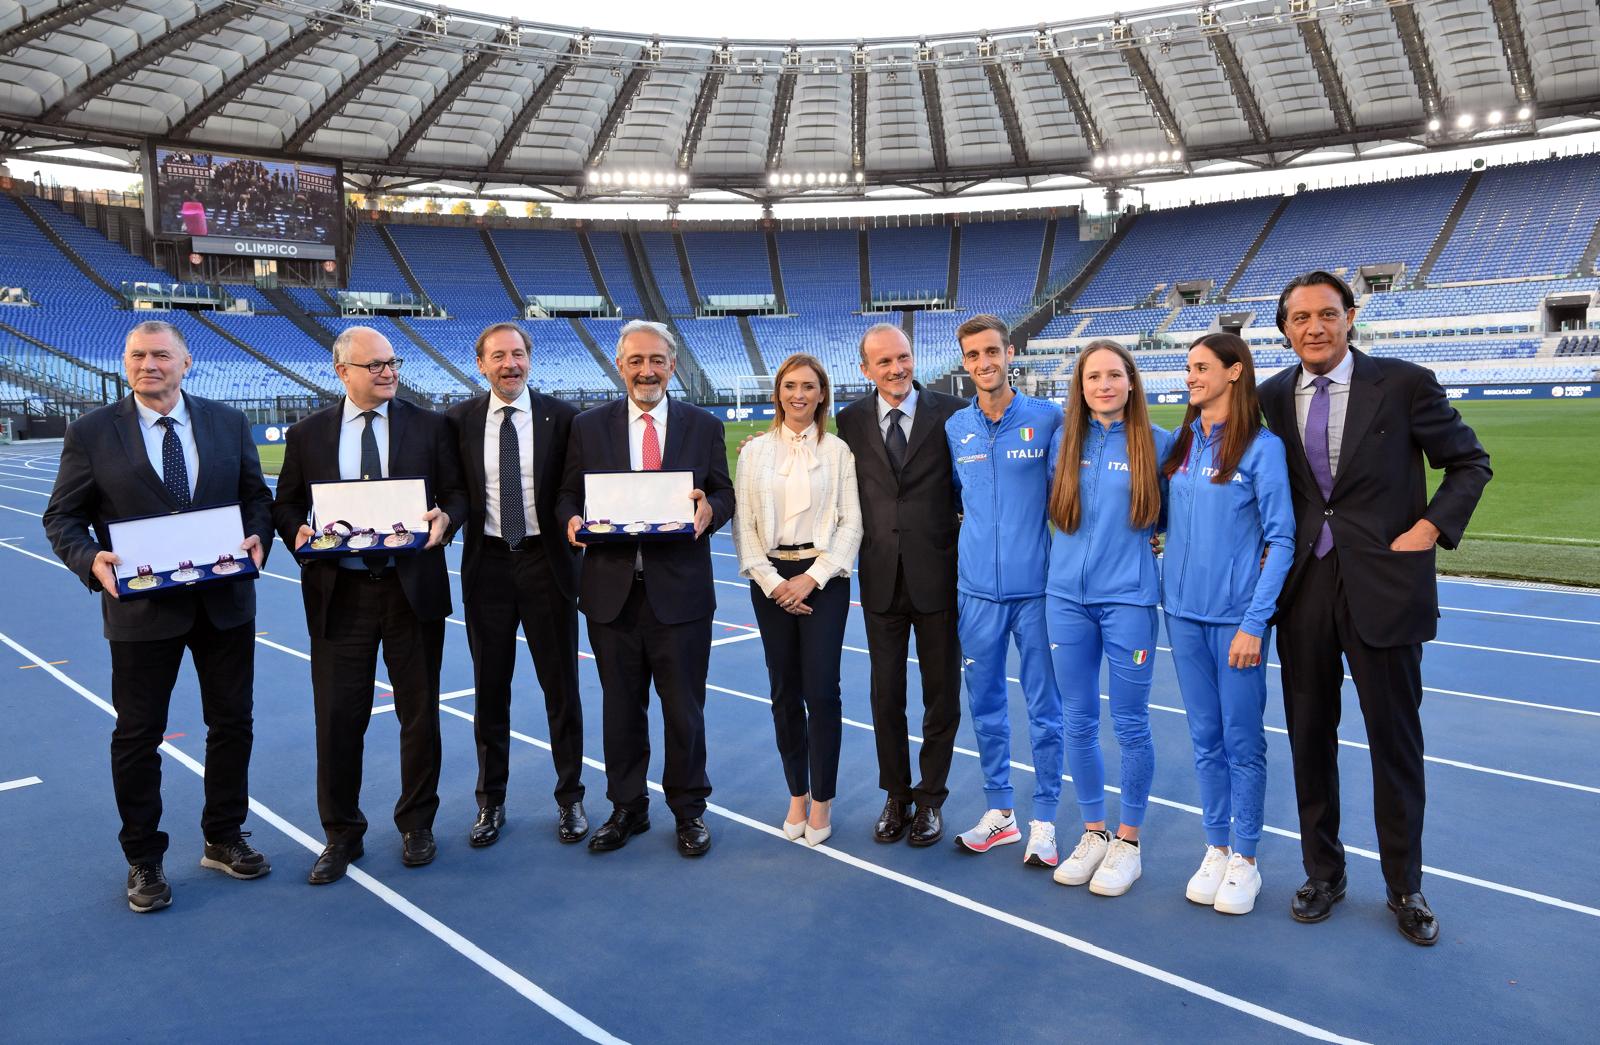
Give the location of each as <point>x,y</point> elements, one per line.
<point>767,577</point>
<point>821,572</point>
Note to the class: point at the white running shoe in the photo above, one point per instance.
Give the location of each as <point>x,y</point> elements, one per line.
<point>1041,845</point>
<point>996,828</point>
<point>1084,861</point>
<point>1118,871</point>
<point>1205,882</point>
<point>1240,886</point>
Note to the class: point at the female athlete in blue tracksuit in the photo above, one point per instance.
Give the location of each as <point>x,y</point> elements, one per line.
<point>1228,503</point>
<point>1100,600</point>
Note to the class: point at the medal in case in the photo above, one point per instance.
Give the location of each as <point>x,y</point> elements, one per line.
<point>636,527</point>
<point>226,564</point>
<point>363,539</point>
<point>329,538</point>
<point>600,526</point>
<point>186,573</point>
<point>670,527</point>
<point>399,538</point>
<point>145,580</point>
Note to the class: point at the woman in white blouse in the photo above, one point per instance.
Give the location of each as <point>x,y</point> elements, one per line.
<point>796,530</point>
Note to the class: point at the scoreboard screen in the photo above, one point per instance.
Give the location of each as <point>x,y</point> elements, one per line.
<point>248,206</point>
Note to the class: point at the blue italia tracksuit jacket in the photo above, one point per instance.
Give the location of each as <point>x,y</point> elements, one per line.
<point>1215,584</point>
<point>1101,595</point>
<point>1002,471</point>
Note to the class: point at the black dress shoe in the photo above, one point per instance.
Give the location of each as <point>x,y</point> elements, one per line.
<point>694,839</point>
<point>486,829</point>
<point>928,826</point>
<point>235,858</point>
<point>615,832</point>
<point>893,822</point>
<point>147,888</point>
<point>1314,901</point>
<point>1415,919</point>
<point>417,848</point>
<point>572,825</point>
<point>333,862</point>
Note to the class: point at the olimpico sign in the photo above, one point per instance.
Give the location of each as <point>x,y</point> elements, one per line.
<point>261,248</point>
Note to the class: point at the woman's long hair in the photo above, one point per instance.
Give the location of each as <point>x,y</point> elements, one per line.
<point>1144,504</point>
<point>1244,410</point>
<point>824,405</point>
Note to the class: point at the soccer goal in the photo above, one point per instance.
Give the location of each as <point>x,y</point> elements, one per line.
<point>755,387</point>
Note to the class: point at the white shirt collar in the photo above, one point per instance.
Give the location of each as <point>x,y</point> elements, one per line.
<point>353,412</point>
<point>149,417</point>
<point>523,402</point>
<point>908,407</point>
<point>659,411</point>
<point>1339,375</point>
<point>790,436</point>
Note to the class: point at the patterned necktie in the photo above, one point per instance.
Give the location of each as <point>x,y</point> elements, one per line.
<point>1317,455</point>
<point>650,451</point>
<point>371,463</point>
<point>894,441</point>
<point>513,517</point>
<point>174,472</point>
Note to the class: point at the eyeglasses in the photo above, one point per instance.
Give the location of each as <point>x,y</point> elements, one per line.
<point>376,366</point>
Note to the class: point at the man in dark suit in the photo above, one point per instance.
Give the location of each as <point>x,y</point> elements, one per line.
<point>518,568</point>
<point>354,605</point>
<point>908,576</point>
<point>649,605</point>
<point>1356,429</point>
<point>162,450</point>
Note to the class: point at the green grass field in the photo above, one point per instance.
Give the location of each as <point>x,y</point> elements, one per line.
<point>1539,518</point>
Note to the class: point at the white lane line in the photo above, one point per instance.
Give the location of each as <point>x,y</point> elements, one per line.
<point>21,489</point>
<point>27,781</point>
<point>1074,943</point>
<point>27,478</point>
<point>1538,538</point>
<point>573,1019</point>
<point>747,636</point>
<point>19,511</point>
<point>1520,616</point>
<point>1551,589</point>
<point>1514,652</point>
<point>453,695</point>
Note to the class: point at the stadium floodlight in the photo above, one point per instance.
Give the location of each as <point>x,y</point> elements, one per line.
<point>683,180</point>
<point>1149,158</point>
<point>1126,161</point>
<point>1099,163</point>
<point>860,177</point>
<point>1163,155</point>
<point>1177,155</point>
<point>594,177</point>
<point>772,179</point>
<point>811,177</point>
<point>1433,124</point>
<point>1524,112</point>
<point>1464,121</point>
<point>1495,116</point>
<point>633,179</point>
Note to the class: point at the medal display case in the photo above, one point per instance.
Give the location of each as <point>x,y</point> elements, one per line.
<point>367,517</point>
<point>179,550</point>
<point>637,506</point>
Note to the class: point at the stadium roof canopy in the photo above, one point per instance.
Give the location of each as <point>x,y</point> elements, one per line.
<point>409,95</point>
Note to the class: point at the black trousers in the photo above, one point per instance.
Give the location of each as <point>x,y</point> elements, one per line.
<point>939,657</point>
<point>142,677</point>
<point>1318,627</point>
<point>630,652</point>
<point>803,670</point>
<point>519,588</point>
<point>364,614</point>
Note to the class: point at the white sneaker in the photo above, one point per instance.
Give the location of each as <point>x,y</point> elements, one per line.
<point>1203,885</point>
<point>1084,861</point>
<point>996,828</point>
<point>1041,844</point>
<point>1240,886</point>
<point>1118,871</point>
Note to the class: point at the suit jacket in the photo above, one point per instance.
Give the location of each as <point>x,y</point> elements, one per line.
<point>552,421</point>
<point>421,445</point>
<point>914,519</point>
<point>106,474</point>
<point>677,574</point>
<point>1396,414</point>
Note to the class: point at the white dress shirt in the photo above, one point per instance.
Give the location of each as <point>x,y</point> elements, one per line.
<point>154,435</point>
<point>909,408</point>
<point>800,527</point>
<point>350,439</point>
<point>522,421</point>
<point>636,432</point>
<point>1338,401</point>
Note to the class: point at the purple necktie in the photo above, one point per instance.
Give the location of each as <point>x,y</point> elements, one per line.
<point>1317,455</point>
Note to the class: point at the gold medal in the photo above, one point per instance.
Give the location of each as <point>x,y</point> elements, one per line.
<point>600,526</point>
<point>146,579</point>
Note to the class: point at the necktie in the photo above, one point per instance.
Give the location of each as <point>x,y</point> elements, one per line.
<point>174,472</point>
<point>650,451</point>
<point>513,518</point>
<point>1317,455</point>
<point>894,441</point>
<point>371,463</point>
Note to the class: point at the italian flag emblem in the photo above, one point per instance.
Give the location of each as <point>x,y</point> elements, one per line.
<point>1140,656</point>
<point>1027,435</point>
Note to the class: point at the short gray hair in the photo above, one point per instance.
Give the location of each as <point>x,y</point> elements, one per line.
<point>879,328</point>
<point>155,327</point>
<point>341,344</point>
<point>639,326</point>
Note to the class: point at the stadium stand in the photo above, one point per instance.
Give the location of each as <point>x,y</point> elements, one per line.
<point>909,262</point>
<point>545,262</point>
<point>662,251</point>
<point>999,263</point>
<point>1525,219</point>
<point>1483,299</point>
<point>729,262</point>
<point>1166,247</point>
<point>612,256</point>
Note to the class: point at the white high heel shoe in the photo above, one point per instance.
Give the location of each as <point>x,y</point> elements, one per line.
<point>815,836</point>
<point>794,832</point>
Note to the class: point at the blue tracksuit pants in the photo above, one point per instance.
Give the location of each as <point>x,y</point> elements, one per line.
<point>985,628</point>
<point>1125,636</point>
<point>1224,707</point>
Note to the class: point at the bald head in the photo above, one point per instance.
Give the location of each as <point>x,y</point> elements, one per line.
<point>357,353</point>
<point>887,362</point>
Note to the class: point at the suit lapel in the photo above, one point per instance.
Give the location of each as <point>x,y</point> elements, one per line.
<point>1366,393</point>
<point>618,427</point>
<point>543,435</point>
<point>924,422</point>
<point>675,425</point>
<point>476,419</point>
<point>132,436</point>
<point>869,425</point>
<point>397,434</point>
<point>205,440</point>
<point>1294,448</point>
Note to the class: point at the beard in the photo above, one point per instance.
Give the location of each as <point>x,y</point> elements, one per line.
<point>644,392</point>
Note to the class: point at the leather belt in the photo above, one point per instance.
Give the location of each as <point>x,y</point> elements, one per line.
<point>794,552</point>
<point>527,544</point>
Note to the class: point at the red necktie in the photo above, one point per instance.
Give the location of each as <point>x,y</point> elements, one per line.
<point>650,452</point>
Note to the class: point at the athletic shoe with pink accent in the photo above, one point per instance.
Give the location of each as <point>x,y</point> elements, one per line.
<point>996,828</point>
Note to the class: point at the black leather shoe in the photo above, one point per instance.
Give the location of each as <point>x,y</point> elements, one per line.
<point>147,888</point>
<point>486,829</point>
<point>417,848</point>
<point>571,825</point>
<point>235,858</point>
<point>927,828</point>
<point>1415,919</point>
<point>694,839</point>
<point>615,832</point>
<point>893,822</point>
<point>334,861</point>
<point>1314,901</point>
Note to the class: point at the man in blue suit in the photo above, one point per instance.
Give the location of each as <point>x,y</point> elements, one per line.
<point>161,450</point>
<point>649,605</point>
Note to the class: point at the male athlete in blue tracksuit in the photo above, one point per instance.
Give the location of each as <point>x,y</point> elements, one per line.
<point>1002,474</point>
<point>1214,584</point>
